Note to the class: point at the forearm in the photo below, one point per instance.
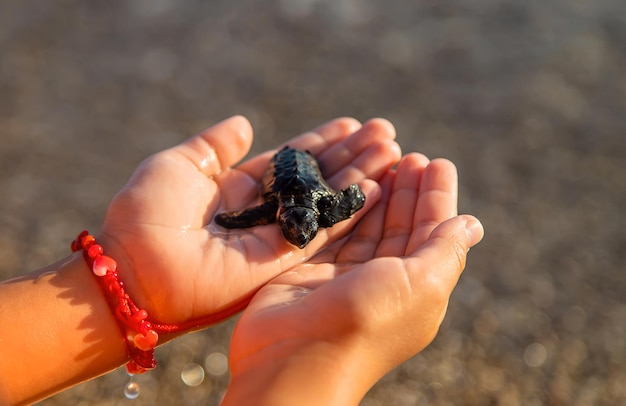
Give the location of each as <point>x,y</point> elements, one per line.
<point>315,376</point>
<point>56,330</point>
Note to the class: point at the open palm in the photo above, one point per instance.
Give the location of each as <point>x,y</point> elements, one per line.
<point>182,267</point>
<point>384,286</point>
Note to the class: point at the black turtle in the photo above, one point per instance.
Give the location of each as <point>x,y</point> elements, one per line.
<point>298,198</point>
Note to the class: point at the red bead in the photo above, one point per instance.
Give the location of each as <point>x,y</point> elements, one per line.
<point>146,342</point>
<point>87,241</point>
<point>103,264</point>
<point>76,244</point>
<point>140,315</point>
<point>95,250</point>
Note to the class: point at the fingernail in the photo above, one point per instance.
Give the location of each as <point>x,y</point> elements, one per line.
<point>474,230</point>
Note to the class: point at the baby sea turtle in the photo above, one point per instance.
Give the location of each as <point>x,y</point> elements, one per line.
<point>296,196</point>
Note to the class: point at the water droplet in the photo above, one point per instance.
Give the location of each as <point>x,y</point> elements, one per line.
<point>192,374</point>
<point>131,391</point>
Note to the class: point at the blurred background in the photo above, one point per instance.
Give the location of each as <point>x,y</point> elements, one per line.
<point>528,98</point>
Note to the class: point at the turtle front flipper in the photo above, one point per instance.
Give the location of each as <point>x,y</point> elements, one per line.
<point>341,206</point>
<point>264,213</point>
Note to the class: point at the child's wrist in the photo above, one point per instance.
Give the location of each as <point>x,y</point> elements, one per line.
<point>57,330</point>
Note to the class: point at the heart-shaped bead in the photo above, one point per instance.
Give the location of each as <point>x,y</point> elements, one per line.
<point>146,342</point>
<point>102,264</point>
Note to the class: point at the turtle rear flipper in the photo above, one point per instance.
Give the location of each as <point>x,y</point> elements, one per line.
<point>264,213</point>
<point>341,206</point>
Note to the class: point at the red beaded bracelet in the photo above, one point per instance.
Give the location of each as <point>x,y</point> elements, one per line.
<point>140,335</point>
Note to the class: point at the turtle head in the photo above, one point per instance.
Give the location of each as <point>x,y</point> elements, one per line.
<point>299,225</point>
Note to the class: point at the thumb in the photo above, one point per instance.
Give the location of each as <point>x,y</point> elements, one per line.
<point>218,147</point>
<point>444,253</point>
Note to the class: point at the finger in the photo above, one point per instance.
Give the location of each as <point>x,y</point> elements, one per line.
<point>372,163</point>
<point>402,205</point>
<point>437,265</point>
<point>338,156</point>
<point>361,246</point>
<point>437,200</point>
<point>315,141</point>
<point>219,146</point>
<point>325,135</point>
<point>372,193</point>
